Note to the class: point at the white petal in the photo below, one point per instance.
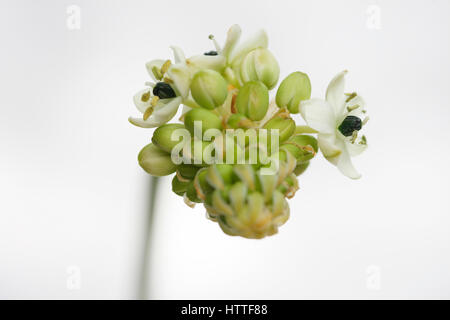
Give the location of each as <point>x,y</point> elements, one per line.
<point>355,149</point>
<point>137,99</point>
<point>185,109</point>
<point>181,76</point>
<point>216,63</point>
<point>233,35</point>
<point>154,63</point>
<point>258,40</point>
<point>319,115</point>
<point>358,112</point>
<point>329,147</point>
<point>178,54</point>
<point>164,111</point>
<point>335,93</point>
<point>345,165</point>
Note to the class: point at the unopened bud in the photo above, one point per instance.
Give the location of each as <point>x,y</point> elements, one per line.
<point>294,88</point>
<point>191,193</point>
<point>179,187</point>
<point>162,137</point>
<point>207,119</point>
<point>219,175</point>
<point>156,161</point>
<point>237,120</point>
<point>300,168</point>
<point>260,64</point>
<point>187,171</point>
<point>209,89</point>
<point>302,147</point>
<point>286,127</point>
<point>253,100</point>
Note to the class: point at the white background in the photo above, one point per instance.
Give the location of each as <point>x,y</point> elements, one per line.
<point>74,200</point>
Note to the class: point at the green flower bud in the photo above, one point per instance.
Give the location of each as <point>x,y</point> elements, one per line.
<point>302,147</point>
<point>201,178</point>
<point>253,100</point>
<point>237,120</point>
<point>260,64</point>
<point>155,161</point>
<point>197,154</point>
<point>219,175</point>
<point>191,193</point>
<point>162,137</point>
<point>300,168</point>
<point>286,127</point>
<point>293,89</point>
<point>209,89</point>
<point>179,187</point>
<point>208,119</point>
<point>187,171</point>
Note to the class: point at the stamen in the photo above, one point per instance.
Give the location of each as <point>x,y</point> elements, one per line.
<point>147,113</point>
<point>365,120</point>
<point>145,96</point>
<point>363,140</point>
<point>216,44</point>
<point>154,101</point>
<point>350,96</point>
<point>157,73</point>
<point>351,108</point>
<point>354,136</point>
<point>165,66</point>
<point>167,80</point>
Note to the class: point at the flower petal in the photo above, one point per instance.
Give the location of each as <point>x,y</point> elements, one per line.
<point>335,93</point>
<point>358,112</point>
<point>355,149</point>
<point>329,147</point>
<point>178,54</point>
<point>154,63</point>
<point>233,35</point>
<point>345,165</point>
<point>216,63</point>
<point>137,99</point>
<point>258,40</point>
<point>164,111</point>
<point>319,115</point>
<point>181,76</point>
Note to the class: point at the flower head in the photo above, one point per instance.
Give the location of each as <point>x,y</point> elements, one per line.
<point>338,120</point>
<point>233,149</point>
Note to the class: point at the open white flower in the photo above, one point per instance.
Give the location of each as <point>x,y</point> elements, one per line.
<point>183,70</point>
<point>338,120</point>
<point>234,53</point>
<point>160,101</point>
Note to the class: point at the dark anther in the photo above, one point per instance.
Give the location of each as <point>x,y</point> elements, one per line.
<point>211,53</point>
<point>163,90</point>
<point>350,124</point>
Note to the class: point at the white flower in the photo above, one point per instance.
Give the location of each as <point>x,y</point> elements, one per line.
<point>338,119</point>
<point>234,53</point>
<point>183,70</point>
<point>178,76</point>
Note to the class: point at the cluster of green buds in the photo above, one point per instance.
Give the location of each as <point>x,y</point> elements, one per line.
<point>234,150</point>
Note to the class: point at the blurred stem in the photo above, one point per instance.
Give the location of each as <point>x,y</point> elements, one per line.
<point>143,285</point>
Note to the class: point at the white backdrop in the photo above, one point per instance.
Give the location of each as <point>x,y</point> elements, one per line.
<point>74,199</point>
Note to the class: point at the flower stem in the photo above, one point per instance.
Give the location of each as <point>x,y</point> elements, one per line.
<point>144,275</point>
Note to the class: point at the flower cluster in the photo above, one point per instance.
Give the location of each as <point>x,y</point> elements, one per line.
<point>233,149</point>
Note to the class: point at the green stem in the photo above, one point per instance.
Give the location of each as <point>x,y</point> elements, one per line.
<point>143,285</point>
